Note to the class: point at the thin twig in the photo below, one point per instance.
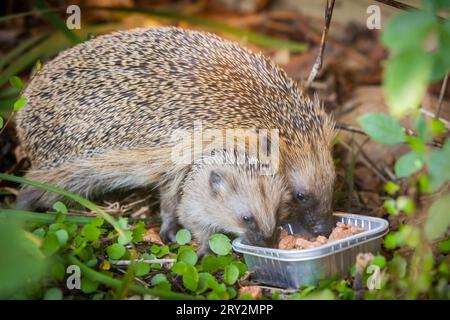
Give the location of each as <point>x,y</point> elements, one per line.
<point>319,60</point>
<point>442,94</point>
<point>151,261</point>
<point>397,4</point>
<point>433,115</point>
<point>344,127</point>
<point>403,6</point>
<point>6,123</point>
<point>368,163</point>
<point>145,284</point>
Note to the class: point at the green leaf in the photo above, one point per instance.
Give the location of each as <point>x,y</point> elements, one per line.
<point>210,264</point>
<point>90,232</point>
<point>60,207</point>
<point>424,183</point>
<point>53,294</point>
<point>183,236</point>
<point>187,255</point>
<point>242,267</point>
<point>179,268</point>
<point>379,260</point>
<point>126,237</point>
<point>62,236</point>
<point>158,279</point>
<point>220,244</point>
<point>231,274</point>
<point>437,127</point>
<point>224,260</point>
<point>390,241</point>
<point>16,82</point>
<point>405,81</point>
<point>420,125</point>
<point>138,231</point>
<point>444,246</point>
<point>190,278</point>
<point>391,206</point>
<point>204,280</point>
<point>397,34</point>
<point>383,128</point>
<point>232,293</point>
<point>1,122</point>
<point>58,271</point>
<point>406,204</point>
<point>88,285</point>
<point>97,222</point>
<point>438,219</point>
<point>408,235</point>
<point>416,144</point>
<point>123,223</point>
<point>19,104</point>
<point>155,248</point>
<point>439,167</point>
<point>50,244</point>
<point>142,268</point>
<point>163,250</point>
<point>115,251</point>
<point>441,58</point>
<point>409,164</point>
<point>325,294</point>
<point>391,187</point>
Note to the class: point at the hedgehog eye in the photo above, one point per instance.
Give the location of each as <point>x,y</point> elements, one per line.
<point>301,196</point>
<point>246,218</point>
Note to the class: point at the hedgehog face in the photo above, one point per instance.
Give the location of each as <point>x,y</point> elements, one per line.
<point>249,205</point>
<point>311,180</point>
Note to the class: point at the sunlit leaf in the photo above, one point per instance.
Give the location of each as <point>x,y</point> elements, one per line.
<point>438,219</point>
<point>383,128</point>
<point>405,81</point>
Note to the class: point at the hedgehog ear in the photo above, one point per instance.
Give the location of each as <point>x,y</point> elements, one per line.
<point>216,181</point>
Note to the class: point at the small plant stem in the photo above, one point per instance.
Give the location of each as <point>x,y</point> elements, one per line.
<point>84,202</point>
<point>319,60</point>
<point>116,283</point>
<point>151,261</point>
<point>6,123</point>
<point>442,95</point>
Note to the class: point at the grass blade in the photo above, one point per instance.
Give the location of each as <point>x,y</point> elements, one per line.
<point>84,202</point>
<point>41,217</point>
<point>250,36</point>
<point>25,45</point>
<point>48,48</point>
<point>56,21</point>
<point>28,13</point>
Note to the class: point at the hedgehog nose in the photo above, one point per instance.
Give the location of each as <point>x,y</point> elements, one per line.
<point>260,240</point>
<point>324,227</point>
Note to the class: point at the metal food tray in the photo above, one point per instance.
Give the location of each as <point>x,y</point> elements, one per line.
<point>296,268</point>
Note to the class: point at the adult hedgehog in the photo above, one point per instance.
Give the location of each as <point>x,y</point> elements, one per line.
<point>101,116</point>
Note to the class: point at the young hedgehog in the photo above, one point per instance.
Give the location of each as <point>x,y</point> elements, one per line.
<point>238,199</point>
<point>100,117</point>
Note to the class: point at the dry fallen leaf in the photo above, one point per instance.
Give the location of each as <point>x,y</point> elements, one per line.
<point>152,236</point>
<point>253,291</point>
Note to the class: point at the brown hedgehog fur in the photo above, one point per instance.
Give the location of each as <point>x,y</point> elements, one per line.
<point>100,116</point>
